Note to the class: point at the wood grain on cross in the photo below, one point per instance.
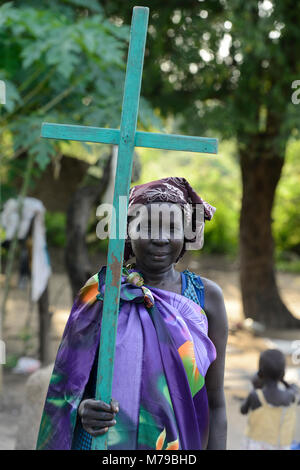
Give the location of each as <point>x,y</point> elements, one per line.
<point>126,138</point>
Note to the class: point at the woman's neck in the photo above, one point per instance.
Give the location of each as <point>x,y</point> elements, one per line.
<point>159,278</point>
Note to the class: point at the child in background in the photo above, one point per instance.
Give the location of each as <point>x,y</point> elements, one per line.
<point>271,407</point>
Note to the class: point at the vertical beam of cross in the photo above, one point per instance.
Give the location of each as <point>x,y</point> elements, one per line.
<point>122,184</point>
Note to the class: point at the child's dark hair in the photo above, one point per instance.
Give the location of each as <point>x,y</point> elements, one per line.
<point>272,364</point>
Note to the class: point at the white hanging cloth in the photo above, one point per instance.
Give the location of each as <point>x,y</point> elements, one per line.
<point>32,209</point>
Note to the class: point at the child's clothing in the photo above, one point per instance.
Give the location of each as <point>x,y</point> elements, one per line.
<point>270,427</point>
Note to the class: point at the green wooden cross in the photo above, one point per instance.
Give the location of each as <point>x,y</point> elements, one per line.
<point>126,138</point>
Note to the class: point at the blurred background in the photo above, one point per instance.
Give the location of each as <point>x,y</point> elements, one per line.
<point>214,68</point>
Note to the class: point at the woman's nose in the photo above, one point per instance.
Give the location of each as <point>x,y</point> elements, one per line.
<point>160,241</point>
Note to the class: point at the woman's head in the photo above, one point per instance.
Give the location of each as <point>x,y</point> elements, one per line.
<point>271,365</point>
<point>159,241</point>
<point>163,217</point>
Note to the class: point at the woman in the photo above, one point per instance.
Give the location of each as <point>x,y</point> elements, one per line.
<point>170,346</point>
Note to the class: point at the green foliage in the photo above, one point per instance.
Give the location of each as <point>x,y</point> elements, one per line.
<point>11,361</point>
<point>226,69</point>
<point>289,266</point>
<point>223,66</point>
<point>286,213</point>
<point>62,62</point>
<point>215,178</point>
<point>55,223</point>
<point>98,246</point>
<point>64,68</point>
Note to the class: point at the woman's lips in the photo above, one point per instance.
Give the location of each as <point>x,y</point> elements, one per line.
<point>159,256</point>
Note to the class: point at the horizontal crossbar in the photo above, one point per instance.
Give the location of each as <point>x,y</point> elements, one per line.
<point>142,139</point>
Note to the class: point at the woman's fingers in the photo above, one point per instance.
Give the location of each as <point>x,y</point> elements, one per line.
<point>95,423</point>
<point>98,415</point>
<point>95,433</point>
<point>114,405</point>
<point>98,428</point>
<point>99,405</point>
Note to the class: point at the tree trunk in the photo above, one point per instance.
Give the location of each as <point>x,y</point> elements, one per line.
<point>44,329</point>
<point>261,172</point>
<point>76,252</point>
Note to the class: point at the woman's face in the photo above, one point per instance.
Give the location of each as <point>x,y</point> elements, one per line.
<point>160,238</point>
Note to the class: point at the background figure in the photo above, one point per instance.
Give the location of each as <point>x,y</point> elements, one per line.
<point>31,234</point>
<point>25,260</point>
<point>271,406</point>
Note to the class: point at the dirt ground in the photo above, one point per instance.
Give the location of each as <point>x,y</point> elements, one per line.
<point>242,350</point>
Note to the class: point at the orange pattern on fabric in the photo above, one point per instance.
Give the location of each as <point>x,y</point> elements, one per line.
<point>161,440</point>
<point>187,354</point>
<point>89,291</point>
<point>173,445</point>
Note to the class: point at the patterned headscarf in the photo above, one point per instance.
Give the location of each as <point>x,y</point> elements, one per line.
<point>173,190</point>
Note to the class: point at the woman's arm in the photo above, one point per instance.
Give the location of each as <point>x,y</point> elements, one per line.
<point>245,406</point>
<point>218,333</point>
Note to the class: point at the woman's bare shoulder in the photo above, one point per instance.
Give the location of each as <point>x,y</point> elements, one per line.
<point>212,290</point>
<point>214,300</point>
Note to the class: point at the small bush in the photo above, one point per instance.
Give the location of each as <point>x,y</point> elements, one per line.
<point>56,228</point>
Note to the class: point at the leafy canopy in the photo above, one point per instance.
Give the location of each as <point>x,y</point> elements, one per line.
<point>62,62</point>
<point>222,66</point>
